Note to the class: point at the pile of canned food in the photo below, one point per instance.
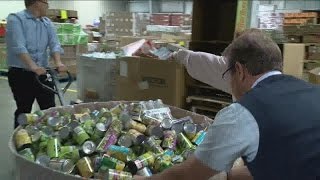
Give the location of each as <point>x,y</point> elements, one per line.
<point>139,138</point>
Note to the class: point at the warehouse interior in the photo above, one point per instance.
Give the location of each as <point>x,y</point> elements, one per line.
<point>123,50</point>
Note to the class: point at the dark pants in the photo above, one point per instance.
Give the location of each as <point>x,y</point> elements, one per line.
<point>26,89</point>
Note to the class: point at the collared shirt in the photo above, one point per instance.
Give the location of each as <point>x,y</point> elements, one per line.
<point>234,132</point>
<point>28,34</point>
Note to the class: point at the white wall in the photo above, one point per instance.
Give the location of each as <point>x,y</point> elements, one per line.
<point>7,7</point>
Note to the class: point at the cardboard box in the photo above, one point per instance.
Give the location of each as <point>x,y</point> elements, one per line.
<point>293,56</point>
<point>146,78</point>
<point>314,76</point>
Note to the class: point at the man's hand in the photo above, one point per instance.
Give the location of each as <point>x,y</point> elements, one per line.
<point>38,70</point>
<point>62,68</point>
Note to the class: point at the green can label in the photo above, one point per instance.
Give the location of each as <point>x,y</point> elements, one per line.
<point>53,148</point>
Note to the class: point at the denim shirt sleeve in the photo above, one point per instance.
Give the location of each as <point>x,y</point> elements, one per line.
<point>15,36</point>
<point>54,44</point>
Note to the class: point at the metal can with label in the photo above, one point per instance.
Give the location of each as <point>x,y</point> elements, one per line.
<point>64,132</point>
<point>73,124</point>
<point>43,160</point>
<point>184,142</point>
<point>85,168</point>
<point>166,124</point>
<point>47,130</point>
<point>153,130</point>
<point>145,160</point>
<point>88,147</point>
<point>53,147</point>
<point>137,137</point>
<point>197,140</point>
<point>112,163</point>
<point>28,118</point>
<point>120,152</point>
<point>137,126</point>
<point>54,122</point>
<point>146,172</point>
<point>96,161</point>
<point>33,132</point>
<point>162,163</point>
<point>99,131</point>
<point>80,135</point>
<point>22,139</point>
<point>170,140</point>
<point>153,146</point>
<point>102,112</point>
<point>95,114</point>
<point>190,130</point>
<point>117,109</point>
<point>88,126</point>
<point>27,153</point>
<point>149,120</point>
<point>125,140</point>
<point>70,152</point>
<point>112,174</point>
<point>109,139</point>
<point>187,153</point>
<point>63,165</point>
<point>177,159</point>
<point>116,125</point>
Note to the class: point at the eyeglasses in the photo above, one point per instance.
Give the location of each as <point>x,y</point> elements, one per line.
<point>225,72</point>
<point>44,2</point>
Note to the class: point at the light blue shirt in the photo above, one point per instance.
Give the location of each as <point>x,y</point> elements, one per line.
<point>28,34</point>
<point>233,134</point>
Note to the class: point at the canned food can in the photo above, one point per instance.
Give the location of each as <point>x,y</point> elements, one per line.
<point>70,152</point>
<point>27,153</point>
<point>97,162</point>
<point>88,147</point>
<point>99,131</point>
<point>190,130</point>
<point>43,160</point>
<point>153,146</point>
<point>88,126</point>
<point>117,109</point>
<point>177,159</point>
<point>146,159</point>
<point>166,124</point>
<point>33,132</point>
<point>146,172</point>
<point>119,152</point>
<point>47,130</point>
<point>106,116</point>
<point>169,152</point>
<point>153,130</point>
<point>136,108</point>
<point>162,164</point>
<point>137,126</point>
<point>197,140</point>
<point>54,122</point>
<point>25,119</point>
<point>138,149</point>
<point>116,125</point>
<point>149,120</point>
<point>112,163</point>
<point>73,124</point>
<point>184,142</point>
<point>170,139</point>
<point>63,165</point>
<point>53,147</point>
<point>178,128</point>
<point>85,168</point>
<point>22,139</point>
<point>102,112</point>
<point>83,117</point>
<point>64,132</point>
<point>125,140</point>
<point>80,135</point>
<point>109,139</point>
<point>137,137</point>
<point>113,174</point>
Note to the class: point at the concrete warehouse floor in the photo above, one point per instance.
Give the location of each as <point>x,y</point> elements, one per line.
<point>7,108</point>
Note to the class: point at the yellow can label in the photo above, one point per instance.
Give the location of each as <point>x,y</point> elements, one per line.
<point>31,118</point>
<point>22,137</point>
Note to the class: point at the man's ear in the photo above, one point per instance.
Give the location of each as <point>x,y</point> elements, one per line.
<point>240,71</point>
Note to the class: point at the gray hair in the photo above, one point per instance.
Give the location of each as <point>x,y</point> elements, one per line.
<point>256,51</point>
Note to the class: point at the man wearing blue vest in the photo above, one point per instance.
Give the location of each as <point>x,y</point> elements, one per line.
<point>274,124</point>
<point>29,35</point>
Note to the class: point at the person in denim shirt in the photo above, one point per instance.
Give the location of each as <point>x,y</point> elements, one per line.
<point>29,36</point>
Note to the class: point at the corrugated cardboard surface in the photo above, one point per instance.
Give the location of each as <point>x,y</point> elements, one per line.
<point>293,56</point>
<point>145,78</point>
